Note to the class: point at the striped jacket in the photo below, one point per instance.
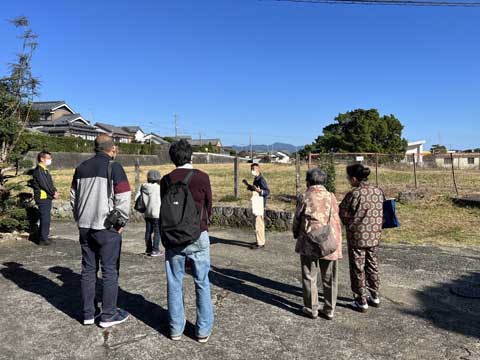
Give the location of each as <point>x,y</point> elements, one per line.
<point>89,192</point>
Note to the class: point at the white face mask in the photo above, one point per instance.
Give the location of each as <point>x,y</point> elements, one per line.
<point>48,162</point>
<point>254,173</point>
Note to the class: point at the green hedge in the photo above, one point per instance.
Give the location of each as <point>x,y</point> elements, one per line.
<point>36,142</point>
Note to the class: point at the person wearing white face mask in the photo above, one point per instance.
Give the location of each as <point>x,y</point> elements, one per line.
<point>44,192</point>
<point>261,188</point>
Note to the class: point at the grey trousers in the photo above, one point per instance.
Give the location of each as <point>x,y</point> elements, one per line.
<point>328,271</point>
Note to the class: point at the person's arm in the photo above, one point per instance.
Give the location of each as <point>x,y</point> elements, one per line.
<point>121,190</point>
<point>208,198</point>
<point>45,183</point>
<point>73,195</point>
<point>264,190</point>
<point>349,207</point>
<point>297,219</point>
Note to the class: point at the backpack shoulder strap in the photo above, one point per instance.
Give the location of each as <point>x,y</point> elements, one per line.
<point>189,177</point>
<point>109,179</point>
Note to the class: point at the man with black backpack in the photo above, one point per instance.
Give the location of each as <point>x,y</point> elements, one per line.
<point>185,212</point>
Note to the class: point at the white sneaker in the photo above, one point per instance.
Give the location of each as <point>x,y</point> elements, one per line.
<point>359,307</point>
<point>175,337</point>
<point>374,301</point>
<point>91,321</point>
<point>203,339</point>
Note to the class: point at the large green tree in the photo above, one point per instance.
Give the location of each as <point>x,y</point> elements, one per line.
<point>360,131</point>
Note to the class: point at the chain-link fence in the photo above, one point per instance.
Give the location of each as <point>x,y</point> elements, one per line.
<point>448,174</point>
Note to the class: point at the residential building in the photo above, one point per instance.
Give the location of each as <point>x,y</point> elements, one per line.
<point>57,118</point>
<point>116,132</point>
<point>153,138</point>
<point>415,152</point>
<point>137,133</point>
<point>459,160</point>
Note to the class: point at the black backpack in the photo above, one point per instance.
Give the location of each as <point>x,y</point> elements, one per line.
<point>179,216</point>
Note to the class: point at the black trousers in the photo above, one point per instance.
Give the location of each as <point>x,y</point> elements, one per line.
<point>44,210</point>
<point>100,247</point>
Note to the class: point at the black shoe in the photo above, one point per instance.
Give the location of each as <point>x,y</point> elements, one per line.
<point>257,247</point>
<point>120,317</point>
<point>44,242</point>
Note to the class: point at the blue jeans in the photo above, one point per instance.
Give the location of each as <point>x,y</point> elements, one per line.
<point>199,255</point>
<point>152,229</point>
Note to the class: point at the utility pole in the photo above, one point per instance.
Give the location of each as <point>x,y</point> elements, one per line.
<point>175,122</point>
<point>251,148</point>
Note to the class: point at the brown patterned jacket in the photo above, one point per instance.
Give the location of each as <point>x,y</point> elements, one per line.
<point>361,212</point>
<point>313,209</point>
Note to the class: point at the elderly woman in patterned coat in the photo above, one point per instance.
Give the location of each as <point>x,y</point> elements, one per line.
<point>361,212</point>
<point>316,208</point>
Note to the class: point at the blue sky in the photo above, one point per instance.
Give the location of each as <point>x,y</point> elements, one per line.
<point>278,71</point>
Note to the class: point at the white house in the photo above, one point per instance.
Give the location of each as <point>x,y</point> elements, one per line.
<point>280,158</point>
<point>137,133</point>
<point>415,151</point>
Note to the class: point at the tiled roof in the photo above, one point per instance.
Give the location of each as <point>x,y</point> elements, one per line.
<point>47,105</point>
<point>200,142</point>
<point>132,129</point>
<point>112,129</point>
<point>64,120</point>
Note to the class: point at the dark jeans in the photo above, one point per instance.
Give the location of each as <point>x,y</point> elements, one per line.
<point>100,247</point>
<point>152,230</point>
<point>44,210</point>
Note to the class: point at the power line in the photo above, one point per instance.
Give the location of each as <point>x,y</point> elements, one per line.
<point>389,2</point>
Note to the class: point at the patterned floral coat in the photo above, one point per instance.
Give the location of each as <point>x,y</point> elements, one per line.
<point>361,212</point>
<point>313,209</point>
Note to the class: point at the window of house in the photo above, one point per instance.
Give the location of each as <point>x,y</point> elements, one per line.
<point>471,161</point>
<point>447,161</point>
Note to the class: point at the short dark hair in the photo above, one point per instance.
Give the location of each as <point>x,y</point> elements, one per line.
<point>358,171</point>
<point>180,152</point>
<point>42,155</point>
<point>316,176</point>
<point>254,165</point>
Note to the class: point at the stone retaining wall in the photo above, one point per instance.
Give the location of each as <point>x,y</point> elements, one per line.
<point>223,215</point>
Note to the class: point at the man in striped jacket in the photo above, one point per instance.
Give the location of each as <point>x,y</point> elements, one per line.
<point>99,188</point>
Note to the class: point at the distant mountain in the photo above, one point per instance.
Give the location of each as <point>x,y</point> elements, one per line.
<point>288,148</point>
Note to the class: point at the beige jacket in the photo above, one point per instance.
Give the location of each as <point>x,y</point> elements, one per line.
<point>313,209</point>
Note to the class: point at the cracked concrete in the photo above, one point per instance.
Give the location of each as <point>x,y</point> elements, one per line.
<point>257,300</point>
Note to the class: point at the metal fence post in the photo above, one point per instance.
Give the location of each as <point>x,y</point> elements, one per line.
<point>453,174</point>
<point>415,171</point>
<point>376,169</point>
<point>137,175</point>
<point>297,174</point>
<point>236,176</point>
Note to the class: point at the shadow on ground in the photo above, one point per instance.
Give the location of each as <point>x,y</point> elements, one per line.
<point>67,296</point>
<point>442,307</point>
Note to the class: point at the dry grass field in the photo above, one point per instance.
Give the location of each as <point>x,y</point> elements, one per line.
<point>433,220</point>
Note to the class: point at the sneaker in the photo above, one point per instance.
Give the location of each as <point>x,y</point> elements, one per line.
<point>327,314</point>
<point>374,301</point>
<point>203,339</point>
<point>175,337</point>
<point>309,313</point>
<point>359,307</point>
<point>257,247</point>
<point>156,253</point>
<point>120,317</point>
<point>44,242</point>
<point>91,321</point>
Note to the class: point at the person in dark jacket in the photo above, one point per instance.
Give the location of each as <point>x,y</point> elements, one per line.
<point>44,192</point>
<point>259,186</point>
